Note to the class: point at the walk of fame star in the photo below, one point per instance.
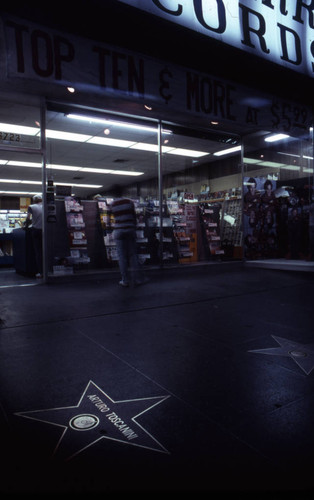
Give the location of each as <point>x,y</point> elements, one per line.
<point>97,416</point>
<point>302,354</point>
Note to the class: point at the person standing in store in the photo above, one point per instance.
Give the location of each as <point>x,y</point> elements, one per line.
<point>124,234</point>
<point>34,217</point>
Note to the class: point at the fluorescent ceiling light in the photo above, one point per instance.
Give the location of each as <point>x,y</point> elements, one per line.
<point>79,185</point>
<point>19,129</point>
<point>29,193</point>
<point>67,136</point>
<point>126,172</point>
<point>10,180</point>
<point>186,152</point>
<point>228,151</point>
<point>271,164</point>
<point>308,157</point>
<point>106,141</point>
<point>107,171</point>
<point>116,123</point>
<point>72,168</point>
<point>63,167</point>
<point>251,160</point>
<point>17,181</point>
<point>24,164</point>
<point>291,167</point>
<point>276,137</point>
<point>143,146</point>
<point>96,170</point>
<point>288,154</point>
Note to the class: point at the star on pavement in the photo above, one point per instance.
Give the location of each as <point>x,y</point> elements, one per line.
<point>97,416</point>
<point>302,354</point>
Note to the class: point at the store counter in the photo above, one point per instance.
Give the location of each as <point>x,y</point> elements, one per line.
<point>23,252</point>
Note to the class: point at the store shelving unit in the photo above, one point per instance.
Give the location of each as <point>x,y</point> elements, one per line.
<point>9,220</point>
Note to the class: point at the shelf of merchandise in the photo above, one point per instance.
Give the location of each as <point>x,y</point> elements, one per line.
<point>231,225</point>
<point>210,214</point>
<point>6,249</point>
<point>78,257</point>
<point>107,222</point>
<point>9,220</point>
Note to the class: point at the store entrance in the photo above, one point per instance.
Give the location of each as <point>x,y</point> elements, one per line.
<point>21,163</point>
<point>185,184</point>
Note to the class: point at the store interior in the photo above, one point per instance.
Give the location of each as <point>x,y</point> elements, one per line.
<point>200,207</point>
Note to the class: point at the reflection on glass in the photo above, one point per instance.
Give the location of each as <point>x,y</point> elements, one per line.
<point>278,192</point>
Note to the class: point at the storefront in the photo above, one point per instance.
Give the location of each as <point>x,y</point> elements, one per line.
<point>218,170</point>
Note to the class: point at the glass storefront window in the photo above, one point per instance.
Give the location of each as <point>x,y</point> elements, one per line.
<point>20,180</point>
<point>202,194</point>
<point>195,199</point>
<point>278,196</point>
<point>87,155</point>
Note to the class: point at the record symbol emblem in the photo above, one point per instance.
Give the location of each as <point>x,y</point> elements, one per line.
<point>84,422</point>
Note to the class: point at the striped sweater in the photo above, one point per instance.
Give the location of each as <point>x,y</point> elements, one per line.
<point>124,213</point>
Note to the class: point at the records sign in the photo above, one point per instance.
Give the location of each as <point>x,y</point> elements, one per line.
<point>279,31</point>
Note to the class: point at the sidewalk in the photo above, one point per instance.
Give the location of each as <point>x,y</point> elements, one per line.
<point>160,387</point>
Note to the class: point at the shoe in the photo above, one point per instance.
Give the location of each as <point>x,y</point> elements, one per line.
<point>123,283</point>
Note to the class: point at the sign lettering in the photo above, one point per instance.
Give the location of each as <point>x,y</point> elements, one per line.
<point>37,54</point>
<point>278,30</point>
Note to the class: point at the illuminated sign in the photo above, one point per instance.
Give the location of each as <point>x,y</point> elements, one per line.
<point>49,59</point>
<point>279,31</point>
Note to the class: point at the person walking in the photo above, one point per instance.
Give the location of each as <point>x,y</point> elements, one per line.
<point>124,234</point>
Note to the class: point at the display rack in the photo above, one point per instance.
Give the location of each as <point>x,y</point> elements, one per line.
<point>9,220</point>
<point>78,257</point>
<point>231,223</point>
<point>210,215</point>
<point>107,222</point>
<point>142,241</point>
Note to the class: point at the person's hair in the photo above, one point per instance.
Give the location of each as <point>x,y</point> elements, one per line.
<point>267,183</point>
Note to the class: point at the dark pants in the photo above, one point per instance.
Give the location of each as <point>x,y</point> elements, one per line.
<point>126,248</point>
<point>37,243</point>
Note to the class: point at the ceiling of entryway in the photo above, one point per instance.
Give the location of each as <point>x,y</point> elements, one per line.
<point>90,154</point>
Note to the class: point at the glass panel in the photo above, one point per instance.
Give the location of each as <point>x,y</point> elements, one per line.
<point>86,157</point>
<point>202,194</point>
<point>20,180</point>
<point>278,193</point>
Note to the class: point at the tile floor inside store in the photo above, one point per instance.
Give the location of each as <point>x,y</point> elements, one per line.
<point>200,380</point>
